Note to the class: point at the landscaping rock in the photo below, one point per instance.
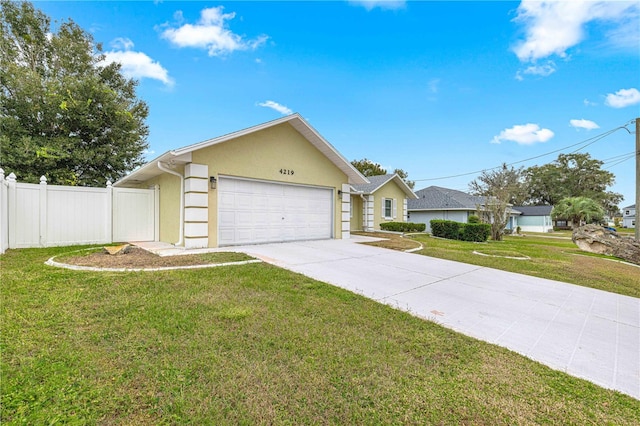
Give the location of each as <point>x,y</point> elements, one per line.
<point>596,239</point>
<point>121,249</point>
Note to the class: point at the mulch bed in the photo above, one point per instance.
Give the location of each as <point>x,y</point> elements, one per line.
<point>134,257</point>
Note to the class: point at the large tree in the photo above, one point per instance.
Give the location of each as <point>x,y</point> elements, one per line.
<point>501,189</point>
<point>572,175</point>
<point>371,168</point>
<point>64,113</point>
<point>578,210</point>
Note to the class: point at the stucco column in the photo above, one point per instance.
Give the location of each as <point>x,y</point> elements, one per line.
<point>367,222</point>
<point>196,206</point>
<point>346,211</point>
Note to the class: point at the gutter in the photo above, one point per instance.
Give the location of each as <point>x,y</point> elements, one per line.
<point>173,172</point>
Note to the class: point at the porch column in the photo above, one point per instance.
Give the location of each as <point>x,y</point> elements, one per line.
<point>367,219</point>
<point>196,206</point>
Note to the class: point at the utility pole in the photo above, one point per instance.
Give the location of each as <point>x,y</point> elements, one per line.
<point>637,226</point>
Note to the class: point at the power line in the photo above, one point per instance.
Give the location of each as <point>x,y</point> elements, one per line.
<point>585,143</point>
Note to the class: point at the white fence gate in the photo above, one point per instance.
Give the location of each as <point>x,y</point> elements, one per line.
<point>33,215</point>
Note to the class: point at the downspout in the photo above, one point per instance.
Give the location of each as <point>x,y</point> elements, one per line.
<point>173,172</point>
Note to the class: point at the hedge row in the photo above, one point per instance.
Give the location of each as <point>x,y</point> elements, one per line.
<point>403,227</point>
<point>478,232</point>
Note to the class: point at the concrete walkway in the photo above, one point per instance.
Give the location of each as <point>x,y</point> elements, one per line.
<point>584,332</point>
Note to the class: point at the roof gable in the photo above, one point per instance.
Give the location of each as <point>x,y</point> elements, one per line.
<point>183,155</point>
<point>378,181</point>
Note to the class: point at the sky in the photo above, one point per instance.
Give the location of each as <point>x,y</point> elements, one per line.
<point>442,90</point>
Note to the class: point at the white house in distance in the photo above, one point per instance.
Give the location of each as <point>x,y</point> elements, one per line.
<point>629,216</point>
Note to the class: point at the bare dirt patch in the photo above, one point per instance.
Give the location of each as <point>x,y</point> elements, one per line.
<point>136,257</point>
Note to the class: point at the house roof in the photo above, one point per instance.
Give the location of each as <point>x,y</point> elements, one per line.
<point>183,155</point>
<point>376,182</point>
<point>438,198</point>
<point>632,206</point>
<point>534,210</point>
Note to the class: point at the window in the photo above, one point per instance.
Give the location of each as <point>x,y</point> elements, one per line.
<point>388,208</point>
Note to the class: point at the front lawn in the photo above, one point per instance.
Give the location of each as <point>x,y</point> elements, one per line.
<point>255,344</point>
<point>553,256</point>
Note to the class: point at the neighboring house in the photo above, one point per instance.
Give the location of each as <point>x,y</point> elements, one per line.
<point>534,218</point>
<point>629,216</point>
<point>383,199</point>
<point>436,202</point>
<point>277,181</point>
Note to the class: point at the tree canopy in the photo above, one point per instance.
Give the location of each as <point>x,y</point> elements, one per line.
<point>571,175</point>
<point>577,210</point>
<point>371,168</point>
<point>64,113</point>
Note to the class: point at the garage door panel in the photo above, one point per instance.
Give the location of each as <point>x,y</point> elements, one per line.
<point>261,212</point>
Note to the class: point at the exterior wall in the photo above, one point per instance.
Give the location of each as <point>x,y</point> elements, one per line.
<point>535,223</point>
<point>388,190</point>
<point>278,154</point>
<point>169,205</point>
<point>356,213</point>
<point>426,216</point>
<point>629,218</point>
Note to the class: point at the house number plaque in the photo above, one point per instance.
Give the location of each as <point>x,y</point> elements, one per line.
<point>286,172</point>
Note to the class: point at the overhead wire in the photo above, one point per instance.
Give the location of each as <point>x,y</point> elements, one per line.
<point>585,143</point>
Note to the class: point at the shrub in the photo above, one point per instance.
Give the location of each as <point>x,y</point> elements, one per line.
<point>403,227</point>
<point>478,232</point>
<point>473,219</point>
<point>445,229</point>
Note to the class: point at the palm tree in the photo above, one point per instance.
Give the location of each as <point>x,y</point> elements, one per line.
<point>577,210</point>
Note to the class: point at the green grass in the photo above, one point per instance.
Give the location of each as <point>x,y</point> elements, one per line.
<point>255,344</point>
<point>552,258</point>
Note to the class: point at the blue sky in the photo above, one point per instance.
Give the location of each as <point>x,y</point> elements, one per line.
<point>435,88</point>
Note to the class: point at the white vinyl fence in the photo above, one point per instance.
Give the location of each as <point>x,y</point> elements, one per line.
<point>41,215</point>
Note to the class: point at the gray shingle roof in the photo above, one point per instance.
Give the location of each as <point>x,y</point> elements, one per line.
<point>534,210</point>
<point>375,182</point>
<point>437,198</point>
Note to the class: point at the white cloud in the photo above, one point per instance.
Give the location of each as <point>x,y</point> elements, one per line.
<point>381,4</point>
<point>136,64</point>
<point>526,134</point>
<point>210,33</point>
<point>623,98</point>
<point>122,43</point>
<point>434,85</point>
<point>587,102</point>
<point>541,70</point>
<point>276,106</point>
<point>583,124</point>
<point>552,27</point>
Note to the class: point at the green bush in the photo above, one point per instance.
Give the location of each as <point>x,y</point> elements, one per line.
<point>403,227</point>
<point>449,229</point>
<point>445,229</point>
<point>473,219</point>
<point>478,232</point>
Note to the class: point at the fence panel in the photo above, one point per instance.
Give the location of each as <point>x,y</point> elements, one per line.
<point>77,215</point>
<point>134,214</point>
<point>26,216</point>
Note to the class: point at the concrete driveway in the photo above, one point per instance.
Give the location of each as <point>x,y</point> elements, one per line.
<point>584,332</point>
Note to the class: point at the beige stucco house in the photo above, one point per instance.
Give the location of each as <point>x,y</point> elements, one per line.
<point>277,181</point>
<point>382,199</point>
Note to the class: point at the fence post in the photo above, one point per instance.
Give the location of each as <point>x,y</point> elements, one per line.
<point>109,222</point>
<point>156,212</point>
<point>11,209</point>
<point>4,210</point>
<point>43,211</point>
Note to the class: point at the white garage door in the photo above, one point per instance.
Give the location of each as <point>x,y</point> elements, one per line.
<point>251,211</point>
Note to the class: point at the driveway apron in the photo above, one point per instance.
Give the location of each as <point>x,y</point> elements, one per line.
<point>588,333</point>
